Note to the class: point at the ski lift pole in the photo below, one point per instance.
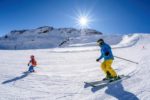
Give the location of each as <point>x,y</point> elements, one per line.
<point>126,60</point>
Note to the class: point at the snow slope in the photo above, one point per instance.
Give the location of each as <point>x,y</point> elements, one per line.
<point>61,72</point>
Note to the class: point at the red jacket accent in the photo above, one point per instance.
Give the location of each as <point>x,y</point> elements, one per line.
<point>33,62</point>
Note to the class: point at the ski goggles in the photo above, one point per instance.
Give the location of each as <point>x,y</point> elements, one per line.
<point>100,43</point>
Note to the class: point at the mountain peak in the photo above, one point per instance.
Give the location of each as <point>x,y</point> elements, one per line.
<point>44,37</point>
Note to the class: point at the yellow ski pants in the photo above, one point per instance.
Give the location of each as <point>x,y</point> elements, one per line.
<point>106,67</point>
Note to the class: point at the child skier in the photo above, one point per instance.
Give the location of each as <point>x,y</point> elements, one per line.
<point>106,53</point>
<point>32,63</point>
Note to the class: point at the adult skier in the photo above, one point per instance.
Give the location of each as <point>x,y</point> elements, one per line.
<point>32,63</point>
<point>106,53</point>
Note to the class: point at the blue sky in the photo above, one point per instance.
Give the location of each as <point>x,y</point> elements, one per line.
<point>110,16</point>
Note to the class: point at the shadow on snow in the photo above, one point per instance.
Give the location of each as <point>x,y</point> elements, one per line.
<point>25,74</point>
<point>116,90</point>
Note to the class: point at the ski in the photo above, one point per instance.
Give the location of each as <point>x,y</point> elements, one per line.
<point>96,82</point>
<point>28,72</point>
<point>106,82</point>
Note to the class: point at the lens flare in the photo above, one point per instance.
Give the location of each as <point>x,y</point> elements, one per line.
<point>83,19</point>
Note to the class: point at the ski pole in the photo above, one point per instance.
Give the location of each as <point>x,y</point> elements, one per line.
<point>126,60</point>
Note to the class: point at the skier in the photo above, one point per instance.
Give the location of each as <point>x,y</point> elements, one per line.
<point>106,53</point>
<point>32,63</point>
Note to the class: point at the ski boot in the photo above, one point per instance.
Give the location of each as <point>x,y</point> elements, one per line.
<point>108,76</point>
<point>115,78</point>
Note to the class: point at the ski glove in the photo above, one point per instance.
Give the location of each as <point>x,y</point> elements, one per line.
<point>107,53</point>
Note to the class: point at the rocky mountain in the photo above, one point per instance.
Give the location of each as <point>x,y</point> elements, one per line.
<point>44,37</point>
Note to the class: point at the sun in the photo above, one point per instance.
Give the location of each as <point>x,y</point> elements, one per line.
<point>83,21</point>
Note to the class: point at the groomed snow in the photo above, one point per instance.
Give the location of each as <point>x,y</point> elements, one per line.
<point>61,73</point>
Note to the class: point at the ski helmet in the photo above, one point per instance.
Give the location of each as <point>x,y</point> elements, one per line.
<point>100,41</point>
<point>32,56</point>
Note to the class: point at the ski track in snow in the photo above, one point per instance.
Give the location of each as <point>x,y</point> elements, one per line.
<point>61,73</point>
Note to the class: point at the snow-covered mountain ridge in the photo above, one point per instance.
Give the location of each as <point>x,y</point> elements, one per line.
<point>43,37</point>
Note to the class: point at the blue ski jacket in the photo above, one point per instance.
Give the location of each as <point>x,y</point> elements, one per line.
<point>106,52</point>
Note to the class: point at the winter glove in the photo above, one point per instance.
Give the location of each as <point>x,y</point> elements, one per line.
<point>107,53</point>
<point>97,59</point>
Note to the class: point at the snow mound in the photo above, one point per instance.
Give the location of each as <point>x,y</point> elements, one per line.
<point>118,41</point>
<point>91,40</point>
<point>128,41</point>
